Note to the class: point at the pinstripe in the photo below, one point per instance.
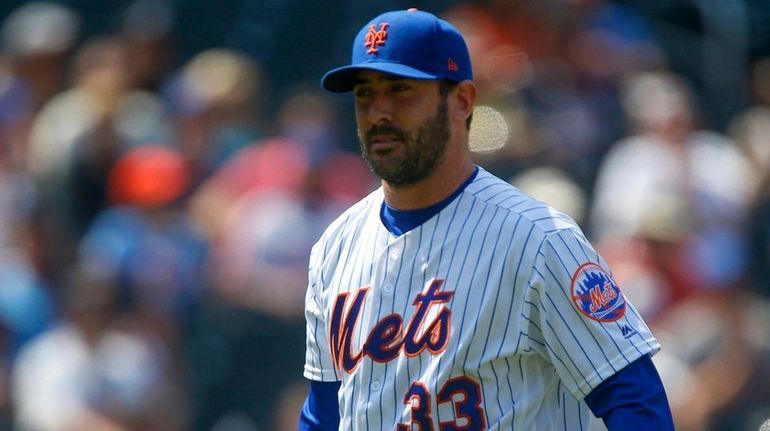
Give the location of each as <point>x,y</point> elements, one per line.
<point>480,192</point>
<point>459,267</point>
<point>639,319</point>
<point>468,290</point>
<point>318,350</point>
<point>497,398</point>
<point>545,343</point>
<point>506,197</point>
<point>532,322</point>
<point>490,198</point>
<point>386,253</point>
<point>580,417</point>
<point>376,297</point>
<point>518,268</point>
<point>566,353</point>
<point>554,354</point>
<point>393,306</point>
<point>483,295</point>
<point>359,284</point>
<point>325,252</point>
<point>534,208</point>
<point>546,218</point>
<point>494,312</point>
<point>441,255</point>
<point>510,390</point>
<point>423,282</point>
<point>420,230</point>
<point>563,404</point>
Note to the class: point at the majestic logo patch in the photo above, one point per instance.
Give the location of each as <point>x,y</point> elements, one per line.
<point>596,294</point>
<point>627,331</point>
<point>376,38</point>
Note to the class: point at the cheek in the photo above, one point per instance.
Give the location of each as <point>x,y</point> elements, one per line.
<point>361,127</point>
<point>360,118</point>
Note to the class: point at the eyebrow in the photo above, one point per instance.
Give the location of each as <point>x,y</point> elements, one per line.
<point>383,78</point>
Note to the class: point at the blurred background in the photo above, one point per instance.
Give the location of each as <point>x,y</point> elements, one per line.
<point>166,165</point>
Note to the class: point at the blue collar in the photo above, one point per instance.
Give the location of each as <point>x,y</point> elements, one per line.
<point>398,222</point>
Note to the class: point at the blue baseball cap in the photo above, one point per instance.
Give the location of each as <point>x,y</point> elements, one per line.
<point>408,43</point>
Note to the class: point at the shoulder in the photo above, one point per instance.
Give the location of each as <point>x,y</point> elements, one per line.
<point>490,191</point>
<point>351,220</point>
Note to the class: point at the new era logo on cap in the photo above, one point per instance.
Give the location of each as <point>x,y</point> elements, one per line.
<point>408,43</point>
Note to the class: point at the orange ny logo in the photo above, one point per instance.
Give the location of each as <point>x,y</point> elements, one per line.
<point>375,38</point>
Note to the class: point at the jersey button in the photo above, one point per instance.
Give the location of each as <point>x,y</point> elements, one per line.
<point>375,386</point>
<point>388,288</point>
<point>395,255</point>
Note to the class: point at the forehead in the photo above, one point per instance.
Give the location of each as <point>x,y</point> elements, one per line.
<point>365,76</point>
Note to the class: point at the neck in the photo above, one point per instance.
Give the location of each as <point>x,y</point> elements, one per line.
<point>444,180</point>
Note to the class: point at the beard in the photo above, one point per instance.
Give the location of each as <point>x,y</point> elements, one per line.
<point>423,150</point>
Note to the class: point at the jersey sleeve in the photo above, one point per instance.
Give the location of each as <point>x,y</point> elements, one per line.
<point>578,318</point>
<point>633,395</point>
<point>318,362</point>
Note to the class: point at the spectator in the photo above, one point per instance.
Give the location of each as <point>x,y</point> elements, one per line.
<point>659,190</point>
<point>93,370</point>
<point>147,241</point>
<point>216,102</point>
<point>37,39</point>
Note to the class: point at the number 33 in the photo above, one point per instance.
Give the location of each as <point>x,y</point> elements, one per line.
<point>467,408</point>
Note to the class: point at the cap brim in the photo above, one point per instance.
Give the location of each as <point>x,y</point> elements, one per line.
<point>341,79</point>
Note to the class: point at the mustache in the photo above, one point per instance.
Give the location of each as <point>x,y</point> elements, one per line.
<point>385,129</point>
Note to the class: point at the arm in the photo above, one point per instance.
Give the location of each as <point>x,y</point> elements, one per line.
<point>321,409</point>
<point>592,312</point>
<point>632,399</point>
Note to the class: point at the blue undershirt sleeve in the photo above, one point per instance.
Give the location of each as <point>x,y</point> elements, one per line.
<point>321,410</point>
<point>632,399</point>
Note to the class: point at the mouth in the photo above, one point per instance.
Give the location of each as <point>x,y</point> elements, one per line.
<point>384,143</point>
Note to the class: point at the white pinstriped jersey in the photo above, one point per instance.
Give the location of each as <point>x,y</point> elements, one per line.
<point>496,313</point>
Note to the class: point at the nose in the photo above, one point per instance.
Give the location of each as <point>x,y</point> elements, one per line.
<point>379,109</point>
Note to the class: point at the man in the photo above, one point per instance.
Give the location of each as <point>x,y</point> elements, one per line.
<point>447,299</point>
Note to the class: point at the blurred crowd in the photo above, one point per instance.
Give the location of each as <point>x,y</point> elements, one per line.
<point>158,204</point>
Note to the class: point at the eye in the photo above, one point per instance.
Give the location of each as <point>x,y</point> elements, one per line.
<point>362,92</point>
<point>400,87</point>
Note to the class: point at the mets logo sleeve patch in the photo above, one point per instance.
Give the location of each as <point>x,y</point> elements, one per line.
<point>596,294</point>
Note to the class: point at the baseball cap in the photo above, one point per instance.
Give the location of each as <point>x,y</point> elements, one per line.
<point>408,43</point>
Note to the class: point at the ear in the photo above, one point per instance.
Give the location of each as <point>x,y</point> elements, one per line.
<point>465,96</point>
